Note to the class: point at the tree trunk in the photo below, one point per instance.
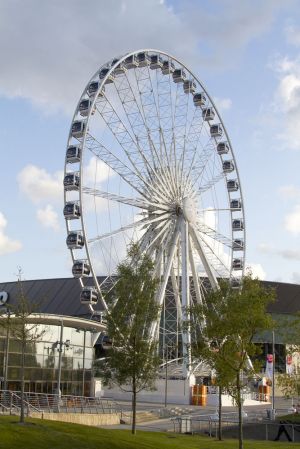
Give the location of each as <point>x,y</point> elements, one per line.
<point>239,404</point>
<point>133,427</point>
<point>220,413</point>
<point>22,411</point>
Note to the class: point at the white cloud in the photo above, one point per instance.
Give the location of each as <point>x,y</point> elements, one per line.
<point>292,221</point>
<point>52,48</point>
<point>48,217</point>
<point>290,254</point>
<point>289,192</point>
<point>292,35</point>
<point>39,185</point>
<point>257,270</point>
<point>222,103</point>
<point>7,245</point>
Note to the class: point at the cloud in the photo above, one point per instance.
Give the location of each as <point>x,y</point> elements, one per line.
<point>289,192</point>
<point>48,217</point>
<point>292,35</point>
<point>39,185</point>
<point>51,48</point>
<point>257,270</point>
<point>296,278</point>
<point>290,254</point>
<point>7,245</point>
<point>222,103</point>
<point>292,221</point>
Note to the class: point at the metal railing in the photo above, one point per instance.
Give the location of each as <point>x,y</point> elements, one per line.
<point>42,402</point>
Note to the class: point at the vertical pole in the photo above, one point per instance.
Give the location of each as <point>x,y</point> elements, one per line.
<point>5,374</point>
<point>83,362</point>
<point>185,299</point>
<point>166,382</point>
<point>60,344</point>
<point>273,375</point>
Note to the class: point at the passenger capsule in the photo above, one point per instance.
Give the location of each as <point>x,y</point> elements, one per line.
<point>235,283</point>
<point>222,148</point>
<point>232,185</point>
<point>216,130</point>
<point>93,89</point>
<point>103,73</point>
<point>238,244</point>
<point>179,76</point>
<point>84,107</point>
<point>236,204</point>
<point>80,269</point>
<point>75,240</point>
<point>120,68</point>
<point>168,67</point>
<point>89,295</point>
<point>106,342</point>
<point>237,225</point>
<point>131,62</point>
<point>73,154</point>
<point>237,264</point>
<point>71,181</point>
<point>189,86</point>
<point>143,59</point>
<point>78,128</point>
<point>156,62</point>
<point>199,99</point>
<point>228,166</point>
<point>71,210</point>
<point>208,114</point>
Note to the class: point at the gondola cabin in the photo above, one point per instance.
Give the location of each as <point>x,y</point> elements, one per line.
<point>179,76</point>
<point>71,210</point>
<point>238,244</point>
<point>216,130</point>
<point>222,148</point>
<point>232,185</point>
<point>131,62</point>
<point>75,240</point>
<point>71,181</point>
<point>236,204</point>
<point>89,295</point>
<point>80,269</point>
<point>84,107</point>
<point>208,114</point>
<point>199,99</point>
<point>156,62</point>
<point>103,73</point>
<point>237,225</point>
<point>237,264</point>
<point>143,59</point>
<point>189,86</point>
<point>73,154</point>
<point>168,67</point>
<point>78,128</point>
<point>228,166</point>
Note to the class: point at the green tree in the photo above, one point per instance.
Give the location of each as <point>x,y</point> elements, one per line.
<point>132,362</point>
<point>226,342</point>
<point>19,326</point>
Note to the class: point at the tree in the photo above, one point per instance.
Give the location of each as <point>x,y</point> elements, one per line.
<point>132,362</point>
<point>17,321</point>
<point>233,318</point>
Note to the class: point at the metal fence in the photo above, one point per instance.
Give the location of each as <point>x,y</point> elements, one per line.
<point>10,402</point>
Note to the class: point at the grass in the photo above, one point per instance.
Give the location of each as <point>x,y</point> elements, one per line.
<point>293,418</point>
<point>43,434</point>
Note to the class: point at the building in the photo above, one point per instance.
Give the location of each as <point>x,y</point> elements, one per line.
<point>70,341</point>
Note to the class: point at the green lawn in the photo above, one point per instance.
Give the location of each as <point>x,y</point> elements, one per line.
<point>54,435</point>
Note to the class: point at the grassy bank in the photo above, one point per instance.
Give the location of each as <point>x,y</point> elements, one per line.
<point>42,434</point>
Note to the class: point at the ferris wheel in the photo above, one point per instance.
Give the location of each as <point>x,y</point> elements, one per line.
<point>149,160</point>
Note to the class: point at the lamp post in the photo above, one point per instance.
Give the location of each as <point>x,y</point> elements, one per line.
<point>273,375</point>
<point>5,374</point>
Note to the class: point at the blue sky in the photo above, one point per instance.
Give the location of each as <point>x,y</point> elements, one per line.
<point>247,54</point>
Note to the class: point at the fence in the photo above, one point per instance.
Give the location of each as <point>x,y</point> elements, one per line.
<point>10,402</point>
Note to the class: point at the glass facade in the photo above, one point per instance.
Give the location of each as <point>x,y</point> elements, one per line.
<point>72,350</point>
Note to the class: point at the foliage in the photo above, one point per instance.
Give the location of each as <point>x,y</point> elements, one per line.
<point>19,326</point>
<point>132,362</point>
<point>226,342</point>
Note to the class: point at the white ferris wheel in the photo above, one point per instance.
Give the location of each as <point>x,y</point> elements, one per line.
<point>149,160</point>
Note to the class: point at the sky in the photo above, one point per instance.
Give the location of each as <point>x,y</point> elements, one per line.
<point>246,53</point>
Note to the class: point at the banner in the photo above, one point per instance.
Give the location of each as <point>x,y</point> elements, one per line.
<point>269,366</point>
